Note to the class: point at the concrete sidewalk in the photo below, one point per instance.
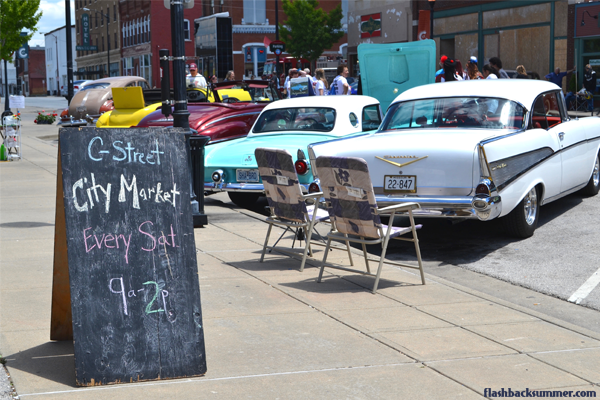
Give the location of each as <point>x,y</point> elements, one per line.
<point>273,332</point>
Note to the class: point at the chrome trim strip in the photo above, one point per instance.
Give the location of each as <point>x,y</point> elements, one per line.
<point>231,116</point>
<point>75,122</point>
<point>562,194</point>
<point>240,187</point>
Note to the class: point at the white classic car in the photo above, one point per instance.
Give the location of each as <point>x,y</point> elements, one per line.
<point>478,149</point>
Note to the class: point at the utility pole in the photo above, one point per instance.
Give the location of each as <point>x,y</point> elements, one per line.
<point>69,51</point>
<point>277,38</point>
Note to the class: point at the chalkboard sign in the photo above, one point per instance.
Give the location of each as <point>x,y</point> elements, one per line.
<point>132,272</point>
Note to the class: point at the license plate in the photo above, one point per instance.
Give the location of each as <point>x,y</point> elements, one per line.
<point>400,183</point>
<point>246,175</point>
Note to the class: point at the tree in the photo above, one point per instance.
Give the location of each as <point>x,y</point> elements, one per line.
<point>309,30</point>
<point>16,15</point>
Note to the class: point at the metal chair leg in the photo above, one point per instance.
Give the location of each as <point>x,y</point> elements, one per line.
<point>382,257</point>
<point>364,248</point>
<point>324,260</point>
<point>349,252</point>
<point>262,257</point>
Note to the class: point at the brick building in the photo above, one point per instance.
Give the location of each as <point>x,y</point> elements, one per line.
<point>34,77</point>
<point>98,29</point>
<point>251,22</point>
<point>137,29</point>
<point>583,38</point>
<point>532,33</point>
<point>31,73</point>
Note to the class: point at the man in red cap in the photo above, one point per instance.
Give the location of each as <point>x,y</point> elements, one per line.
<point>194,79</point>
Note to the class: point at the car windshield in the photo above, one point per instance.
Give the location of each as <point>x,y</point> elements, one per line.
<point>295,119</point>
<point>101,85</point>
<point>462,112</point>
<point>246,91</point>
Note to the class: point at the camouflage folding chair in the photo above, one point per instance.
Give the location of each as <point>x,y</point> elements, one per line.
<point>287,203</point>
<point>354,214</point>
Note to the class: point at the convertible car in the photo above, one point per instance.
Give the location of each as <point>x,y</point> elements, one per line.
<point>478,149</point>
<point>290,124</point>
<point>225,111</point>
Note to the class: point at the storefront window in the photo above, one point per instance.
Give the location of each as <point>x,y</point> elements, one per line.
<point>591,46</point>
<point>145,67</point>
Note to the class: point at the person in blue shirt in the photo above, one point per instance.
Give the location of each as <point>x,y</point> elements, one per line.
<point>556,77</point>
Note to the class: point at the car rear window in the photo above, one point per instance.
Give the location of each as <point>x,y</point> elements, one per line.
<point>454,112</point>
<point>102,85</point>
<point>296,119</point>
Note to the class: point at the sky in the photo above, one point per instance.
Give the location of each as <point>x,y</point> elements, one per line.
<point>53,17</point>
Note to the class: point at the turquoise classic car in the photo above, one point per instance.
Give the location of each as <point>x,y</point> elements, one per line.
<point>290,124</point>
<point>386,71</point>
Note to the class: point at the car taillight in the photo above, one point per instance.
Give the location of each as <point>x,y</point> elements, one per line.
<point>482,188</point>
<point>75,87</point>
<point>107,106</point>
<point>301,167</point>
<point>314,188</point>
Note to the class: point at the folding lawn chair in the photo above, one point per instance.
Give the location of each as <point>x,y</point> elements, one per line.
<point>354,213</point>
<point>287,203</point>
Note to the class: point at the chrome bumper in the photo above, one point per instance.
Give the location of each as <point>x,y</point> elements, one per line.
<point>72,123</point>
<point>212,187</point>
<point>449,207</point>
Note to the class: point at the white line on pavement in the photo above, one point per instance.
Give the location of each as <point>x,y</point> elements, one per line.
<point>201,379</point>
<point>586,288</point>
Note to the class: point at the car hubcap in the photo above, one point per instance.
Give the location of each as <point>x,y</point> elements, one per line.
<point>596,173</point>
<point>530,208</point>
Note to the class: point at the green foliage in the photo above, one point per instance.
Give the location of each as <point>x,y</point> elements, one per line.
<point>15,16</point>
<point>309,30</point>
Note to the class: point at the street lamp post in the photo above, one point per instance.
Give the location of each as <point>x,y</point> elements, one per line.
<point>107,41</point>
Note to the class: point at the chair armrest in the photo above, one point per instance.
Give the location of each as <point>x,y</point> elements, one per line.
<point>398,207</point>
<point>312,195</point>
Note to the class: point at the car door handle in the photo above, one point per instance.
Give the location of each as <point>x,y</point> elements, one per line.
<point>561,135</point>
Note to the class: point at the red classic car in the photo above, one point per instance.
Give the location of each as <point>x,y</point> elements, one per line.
<point>236,106</point>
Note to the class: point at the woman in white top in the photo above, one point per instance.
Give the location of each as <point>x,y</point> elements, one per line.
<point>321,87</point>
<point>490,72</point>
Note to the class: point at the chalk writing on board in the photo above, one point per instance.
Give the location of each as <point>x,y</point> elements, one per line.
<point>150,294</point>
<point>85,191</point>
<point>113,242</point>
<point>96,151</point>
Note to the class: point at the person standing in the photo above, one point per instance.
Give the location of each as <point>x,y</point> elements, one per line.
<point>589,79</point>
<point>322,86</point>
<point>340,82</point>
<point>589,82</point>
<point>288,84</point>
<point>521,72</point>
<point>556,77</point>
<point>497,64</point>
<point>472,70</point>
<point>450,72</point>
<point>229,77</point>
<point>194,79</point>
<point>489,72</point>
<point>440,72</point>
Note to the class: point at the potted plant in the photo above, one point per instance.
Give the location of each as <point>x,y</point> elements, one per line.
<point>45,118</point>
